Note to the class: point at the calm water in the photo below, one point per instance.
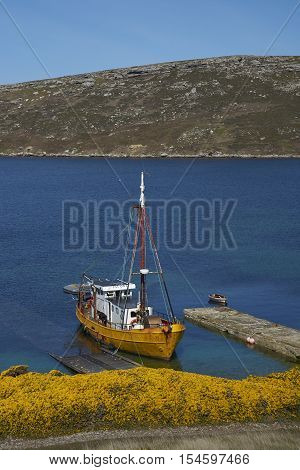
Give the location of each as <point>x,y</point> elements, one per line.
<point>261,276</point>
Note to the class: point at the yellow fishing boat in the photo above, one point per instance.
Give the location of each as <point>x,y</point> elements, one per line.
<point>109,312</point>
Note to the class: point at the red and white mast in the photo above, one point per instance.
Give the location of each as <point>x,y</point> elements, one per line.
<point>142,225</point>
<point>142,229</point>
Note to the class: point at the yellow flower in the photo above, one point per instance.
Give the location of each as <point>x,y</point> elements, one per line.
<point>33,404</point>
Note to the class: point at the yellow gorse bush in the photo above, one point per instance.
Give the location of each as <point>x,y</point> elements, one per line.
<point>33,404</point>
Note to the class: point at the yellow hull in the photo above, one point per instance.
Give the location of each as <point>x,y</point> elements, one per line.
<point>151,342</point>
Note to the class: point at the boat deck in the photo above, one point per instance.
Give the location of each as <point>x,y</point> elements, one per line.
<point>91,364</point>
<point>269,336</point>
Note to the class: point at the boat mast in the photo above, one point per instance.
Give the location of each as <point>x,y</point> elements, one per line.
<point>142,229</point>
<point>142,224</point>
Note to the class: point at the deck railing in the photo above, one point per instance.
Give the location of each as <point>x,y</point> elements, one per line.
<point>130,326</point>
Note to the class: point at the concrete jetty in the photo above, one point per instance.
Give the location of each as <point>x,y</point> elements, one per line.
<point>91,364</point>
<point>270,336</point>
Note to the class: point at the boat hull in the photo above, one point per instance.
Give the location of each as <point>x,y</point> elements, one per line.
<point>152,342</point>
<point>217,300</point>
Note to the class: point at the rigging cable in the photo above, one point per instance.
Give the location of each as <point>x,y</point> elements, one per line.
<point>160,269</point>
<point>126,250</point>
<point>160,282</point>
<point>136,239</point>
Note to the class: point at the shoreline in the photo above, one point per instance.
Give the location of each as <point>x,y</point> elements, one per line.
<point>110,436</point>
<point>215,156</point>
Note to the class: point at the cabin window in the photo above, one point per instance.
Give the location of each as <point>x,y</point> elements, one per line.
<point>110,294</point>
<point>112,308</point>
<point>133,314</point>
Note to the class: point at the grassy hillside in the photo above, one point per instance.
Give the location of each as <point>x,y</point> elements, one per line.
<point>228,105</point>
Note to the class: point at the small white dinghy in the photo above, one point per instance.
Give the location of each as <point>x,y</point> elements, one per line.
<point>217,298</point>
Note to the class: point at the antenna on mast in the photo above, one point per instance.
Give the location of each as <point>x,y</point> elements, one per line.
<point>142,196</point>
<point>143,269</point>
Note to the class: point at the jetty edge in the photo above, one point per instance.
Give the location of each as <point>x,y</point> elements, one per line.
<point>268,335</point>
<point>94,363</point>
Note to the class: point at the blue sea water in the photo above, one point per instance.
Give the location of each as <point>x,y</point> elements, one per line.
<point>260,275</point>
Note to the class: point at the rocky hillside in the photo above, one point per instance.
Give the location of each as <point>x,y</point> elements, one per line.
<point>220,106</point>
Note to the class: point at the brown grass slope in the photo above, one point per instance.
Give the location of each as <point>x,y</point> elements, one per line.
<point>242,105</point>
<point>272,435</point>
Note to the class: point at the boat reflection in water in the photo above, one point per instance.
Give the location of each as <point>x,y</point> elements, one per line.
<point>82,344</point>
